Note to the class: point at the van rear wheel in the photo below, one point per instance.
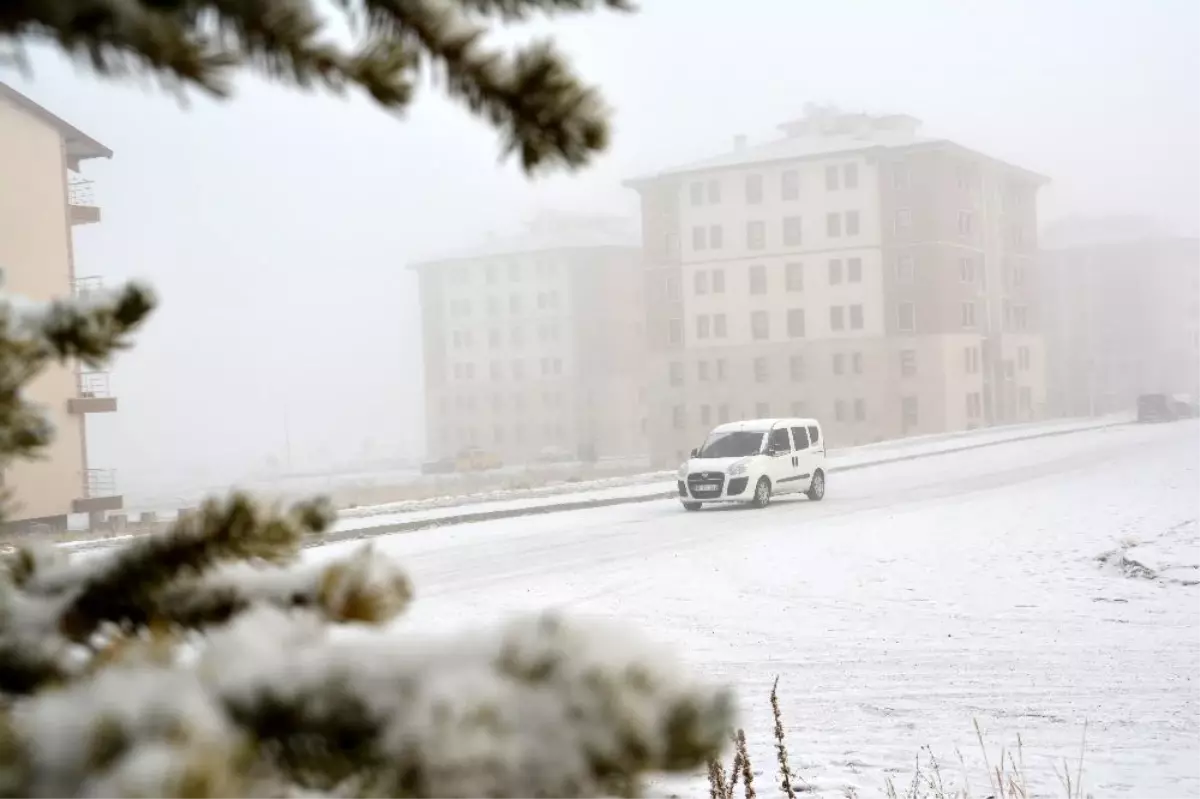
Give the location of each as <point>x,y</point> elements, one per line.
<point>762,493</point>
<point>816,489</point>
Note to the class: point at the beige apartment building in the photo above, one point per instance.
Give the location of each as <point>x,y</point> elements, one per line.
<point>853,270</point>
<point>42,197</point>
<point>1122,316</point>
<point>533,343</point>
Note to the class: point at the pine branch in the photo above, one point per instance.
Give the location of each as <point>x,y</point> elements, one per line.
<point>124,589</point>
<point>365,586</point>
<point>542,110</point>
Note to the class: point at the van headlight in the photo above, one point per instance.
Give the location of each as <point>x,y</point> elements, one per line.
<point>739,468</point>
<point>683,470</point>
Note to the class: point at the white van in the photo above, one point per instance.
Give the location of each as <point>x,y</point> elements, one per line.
<point>754,460</point>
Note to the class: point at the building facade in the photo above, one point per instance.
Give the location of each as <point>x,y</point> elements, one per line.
<point>1122,315</point>
<point>42,197</point>
<point>534,343</point>
<point>852,270</point>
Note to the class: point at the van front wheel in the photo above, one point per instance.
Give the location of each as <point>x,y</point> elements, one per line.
<point>762,493</point>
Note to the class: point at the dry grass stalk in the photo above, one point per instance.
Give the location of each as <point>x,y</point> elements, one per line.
<point>785,770</point>
<point>747,771</point>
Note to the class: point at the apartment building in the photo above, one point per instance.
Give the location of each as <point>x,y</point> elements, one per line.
<point>534,342</point>
<point>43,197</point>
<point>852,269</point>
<point>1122,318</point>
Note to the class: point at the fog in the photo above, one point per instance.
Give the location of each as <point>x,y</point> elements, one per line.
<point>277,226</point>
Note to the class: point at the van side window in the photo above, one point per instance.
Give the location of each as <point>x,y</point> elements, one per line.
<point>814,434</point>
<point>779,441</point>
<point>800,436</point>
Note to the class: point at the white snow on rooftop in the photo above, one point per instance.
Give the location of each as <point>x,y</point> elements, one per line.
<point>550,232</point>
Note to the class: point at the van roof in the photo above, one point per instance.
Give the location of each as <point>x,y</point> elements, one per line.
<point>763,425</point>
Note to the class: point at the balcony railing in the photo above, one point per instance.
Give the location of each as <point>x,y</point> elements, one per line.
<point>94,385</point>
<point>85,288</point>
<point>79,192</point>
<point>99,483</point>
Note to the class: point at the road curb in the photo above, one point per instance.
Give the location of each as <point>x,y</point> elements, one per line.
<point>364,533</point>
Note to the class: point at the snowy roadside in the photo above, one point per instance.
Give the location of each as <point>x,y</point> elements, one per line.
<point>396,517</point>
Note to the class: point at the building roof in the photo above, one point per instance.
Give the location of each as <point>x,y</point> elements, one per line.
<point>79,145</point>
<point>549,233</point>
<point>822,133</point>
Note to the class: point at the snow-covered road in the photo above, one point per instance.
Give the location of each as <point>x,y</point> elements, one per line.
<point>918,596</point>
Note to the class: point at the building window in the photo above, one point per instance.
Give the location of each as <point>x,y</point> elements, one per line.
<point>1023,358</point>
<point>850,176</point>
<point>1020,317</point>
<point>856,363</point>
<point>494,338</point>
<point>518,370</point>
<point>702,371</point>
<point>906,269</point>
<point>852,223</point>
<point>966,270</point>
<point>493,306</point>
<point>790,185</point>
<point>839,363</point>
<point>860,410</point>
<point>837,319</point>
<point>908,412</point>
<point>675,331</point>
<point>718,325</point>
<point>675,373</point>
<point>833,225</point>
<point>677,417</point>
<point>758,279</point>
<point>795,323</point>
<point>720,368</point>
<point>760,370</point>
<point>968,314</point>
<point>697,192</point>
<point>792,231</point>
<point>903,219</point>
<point>754,189</point>
<point>514,304</point>
<point>490,272</point>
<point>718,281</point>
<point>705,414</point>
<point>716,237</point>
<point>974,405</point>
<point>966,220</point>
<point>1026,399</point>
<point>908,363</point>
<point>722,414</point>
<point>835,271</point>
<point>839,410</point>
<point>703,326</point>
<point>759,326</point>
<point>794,274</point>
<point>762,410</point>
<point>854,270</point>
<point>699,238</point>
<point>714,192</point>
<point>971,360</point>
<point>796,367</point>
<point>831,178</point>
<point>906,317</point>
<point>517,337</point>
<point>899,176</point>
<point>700,282</point>
<point>756,235</point>
<point>672,285</point>
<point>856,317</point>
<point>494,370</point>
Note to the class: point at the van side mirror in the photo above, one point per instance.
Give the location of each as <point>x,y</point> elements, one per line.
<point>695,451</point>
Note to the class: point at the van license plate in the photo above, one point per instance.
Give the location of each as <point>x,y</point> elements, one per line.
<point>704,489</point>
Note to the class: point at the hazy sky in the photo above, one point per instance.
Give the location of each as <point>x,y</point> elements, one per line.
<point>276,227</point>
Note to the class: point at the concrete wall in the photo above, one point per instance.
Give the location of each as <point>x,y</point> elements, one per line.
<point>35,254</point>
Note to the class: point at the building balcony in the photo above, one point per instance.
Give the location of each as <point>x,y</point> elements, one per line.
<point>86,288</point>
<point>81,202</point>
<point>93,394</point>
<point>99,492</point>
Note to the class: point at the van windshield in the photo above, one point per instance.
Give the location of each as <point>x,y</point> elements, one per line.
<point>733,444</point>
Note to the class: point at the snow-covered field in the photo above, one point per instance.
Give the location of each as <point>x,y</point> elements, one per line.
<point>919,596</point>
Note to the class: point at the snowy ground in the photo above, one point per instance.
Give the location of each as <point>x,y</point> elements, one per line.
<point>919,596</point>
